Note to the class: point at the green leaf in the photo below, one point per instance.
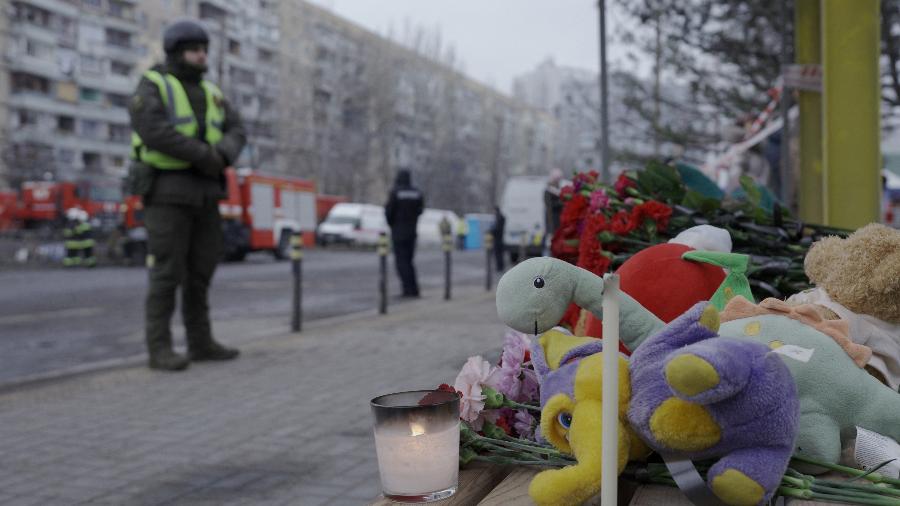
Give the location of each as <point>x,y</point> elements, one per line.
<point>661,181</point>
<point>697,201</point>
<point>754,196</point>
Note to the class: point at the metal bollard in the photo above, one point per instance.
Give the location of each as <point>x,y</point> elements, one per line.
<point>523,247</point>
<point>382,277</point>
<point>296,265</point>
<point>448,247</point>
<point>489,250</point>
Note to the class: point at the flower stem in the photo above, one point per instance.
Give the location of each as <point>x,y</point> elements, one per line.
<point>518,405</point>
<point>874,478</point>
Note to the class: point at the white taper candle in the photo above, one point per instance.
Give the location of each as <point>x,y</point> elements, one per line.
<point>610,438</point>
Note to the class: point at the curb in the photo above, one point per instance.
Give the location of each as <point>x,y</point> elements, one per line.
<point>271,333</point>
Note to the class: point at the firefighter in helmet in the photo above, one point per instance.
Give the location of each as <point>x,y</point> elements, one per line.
<point>79,242</point>
<point>185,135</point>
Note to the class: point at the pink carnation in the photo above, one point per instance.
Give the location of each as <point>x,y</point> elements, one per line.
<point>599,200</point>
<point>475,373</point>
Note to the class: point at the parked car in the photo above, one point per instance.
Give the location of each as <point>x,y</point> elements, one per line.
<point>353,224</point>
<point>428,227</point>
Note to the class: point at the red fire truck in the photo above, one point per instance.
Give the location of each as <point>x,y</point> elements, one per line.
<point>9,203</point>
<point>261,213</point>
<point>43,204</point>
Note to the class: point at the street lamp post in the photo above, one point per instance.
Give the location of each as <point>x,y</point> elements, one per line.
<point>604,105</point>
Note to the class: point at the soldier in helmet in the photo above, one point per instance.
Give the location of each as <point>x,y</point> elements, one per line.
<point>185,135</point>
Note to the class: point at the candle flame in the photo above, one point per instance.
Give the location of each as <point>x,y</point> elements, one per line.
<point>416,429</point>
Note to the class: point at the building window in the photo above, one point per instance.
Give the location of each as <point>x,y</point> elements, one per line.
<point>234,47</point>
<point>65,156</point>
<point>91,65</point>
<point>31,14</point>
<point>38,50</point>
<point>209,11</point>
<point>92,162</point>
<point>118,38</point>
<point>67,30</point>
<point>27,118</point>
<point>65,124</point>
<point>22,82</point>
<point>266,56</point>
<point>117,100</point>
<point>118,68</point>
<point>91,129</point>
<point>121,10</point>
<point>96,4</point>
<point>119,133</point>
<point>89,95</point>
<point>117,161</point>
<point>241,76</point>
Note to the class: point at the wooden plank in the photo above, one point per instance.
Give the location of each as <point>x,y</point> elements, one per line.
<point>513,490</point>
<point>650,495</point>
<point>475,482</point>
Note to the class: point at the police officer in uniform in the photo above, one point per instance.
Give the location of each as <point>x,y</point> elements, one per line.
<point>185,135</point>
<point>402,211</point>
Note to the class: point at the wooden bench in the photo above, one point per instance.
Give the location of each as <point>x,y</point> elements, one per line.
<point>494,485</point>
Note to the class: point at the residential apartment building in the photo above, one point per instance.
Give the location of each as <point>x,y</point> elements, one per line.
<point>379,106</point>
<point>68,70</point>
<point>641,127</point>
<point>321,98</point>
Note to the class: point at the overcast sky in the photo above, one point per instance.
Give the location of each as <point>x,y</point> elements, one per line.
<point>497,40</point>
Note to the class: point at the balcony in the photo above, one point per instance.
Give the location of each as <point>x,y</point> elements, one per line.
<point>45,34</point>
<point>68,141</point>
<point>47,104</point>
<point>127,54</point>
<point>113,83</point>
<point>37,66</point>
<point>54,6</point>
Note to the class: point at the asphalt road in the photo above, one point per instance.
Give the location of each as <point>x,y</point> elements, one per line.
<point>56,320</point>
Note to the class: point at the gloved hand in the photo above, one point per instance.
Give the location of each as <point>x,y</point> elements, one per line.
<point>212,164</point>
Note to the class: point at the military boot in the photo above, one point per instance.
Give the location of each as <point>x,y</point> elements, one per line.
<point>168,360</point>
<point>213,351</point>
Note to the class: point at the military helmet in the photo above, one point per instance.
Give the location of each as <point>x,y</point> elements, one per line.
<point>182,32</point>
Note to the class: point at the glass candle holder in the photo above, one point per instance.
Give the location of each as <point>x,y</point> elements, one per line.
<point>417,442</point>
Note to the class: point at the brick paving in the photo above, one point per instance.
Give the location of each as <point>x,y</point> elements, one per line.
<point>287,423</point>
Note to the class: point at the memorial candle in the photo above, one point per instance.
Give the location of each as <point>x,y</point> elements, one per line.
<point>417,443</point>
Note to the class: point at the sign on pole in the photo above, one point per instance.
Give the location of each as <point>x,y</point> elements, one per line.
<point>803,76</point>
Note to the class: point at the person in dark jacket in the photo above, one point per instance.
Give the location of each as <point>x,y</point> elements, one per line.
<point>185,135</point>
<point>497,232</point>
<point>402,211</point>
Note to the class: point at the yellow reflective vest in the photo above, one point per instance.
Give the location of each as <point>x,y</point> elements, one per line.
<point>181,116</point>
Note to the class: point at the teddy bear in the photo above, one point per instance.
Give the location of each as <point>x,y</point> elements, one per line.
<point>857,279</point>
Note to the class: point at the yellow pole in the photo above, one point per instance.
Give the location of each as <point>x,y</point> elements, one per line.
<point>806,44</point>
<point>851,96</point>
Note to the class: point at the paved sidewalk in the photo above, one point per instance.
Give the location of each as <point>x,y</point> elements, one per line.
<point>287,423</point>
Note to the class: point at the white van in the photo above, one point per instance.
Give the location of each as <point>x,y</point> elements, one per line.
<point>428,227</point>
<point>522,204</point>
<point>352,223</point>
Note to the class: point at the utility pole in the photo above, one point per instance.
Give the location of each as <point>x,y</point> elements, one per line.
<point>782,178</point>
<point>604,104</point>
<point>656,91</point>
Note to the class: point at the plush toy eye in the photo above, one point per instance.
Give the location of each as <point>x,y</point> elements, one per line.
<point>538,282</point>
<point>565,419</point>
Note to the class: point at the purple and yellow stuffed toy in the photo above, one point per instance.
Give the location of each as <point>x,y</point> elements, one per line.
<point>570,369</point>
<point>700,396</point>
